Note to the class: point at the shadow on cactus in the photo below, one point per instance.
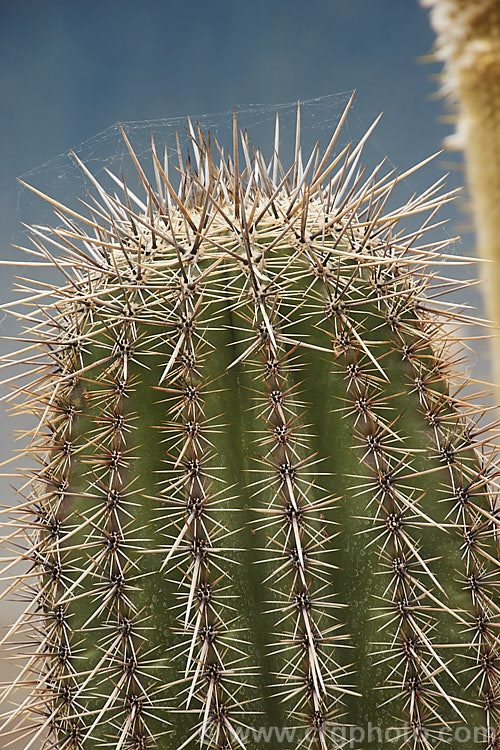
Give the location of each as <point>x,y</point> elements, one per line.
<point>263,513</point>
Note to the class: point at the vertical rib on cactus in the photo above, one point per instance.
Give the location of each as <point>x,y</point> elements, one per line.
<point>261,514</point>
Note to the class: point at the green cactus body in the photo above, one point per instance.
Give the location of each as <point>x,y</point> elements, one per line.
<point>260,517</point>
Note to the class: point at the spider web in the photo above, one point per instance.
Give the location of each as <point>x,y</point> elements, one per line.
<point>62,179</point>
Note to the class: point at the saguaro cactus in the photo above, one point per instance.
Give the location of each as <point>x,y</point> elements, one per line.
<point>263,512</point>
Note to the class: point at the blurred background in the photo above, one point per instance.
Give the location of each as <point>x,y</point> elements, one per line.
<point>70,70</point>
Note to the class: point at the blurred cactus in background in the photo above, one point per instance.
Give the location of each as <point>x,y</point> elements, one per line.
<point>262,505</point>
<point>468,41</point>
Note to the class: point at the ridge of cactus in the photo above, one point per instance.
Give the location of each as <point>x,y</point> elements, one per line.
<point>261,501</point>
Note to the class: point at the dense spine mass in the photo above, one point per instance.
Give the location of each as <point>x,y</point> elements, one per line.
<point>260,515</point>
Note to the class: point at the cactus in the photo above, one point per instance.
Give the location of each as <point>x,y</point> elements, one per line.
<point>468,41</point>
<point>263,510</point>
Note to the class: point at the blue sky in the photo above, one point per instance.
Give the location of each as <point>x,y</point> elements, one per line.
<point>70,69</point>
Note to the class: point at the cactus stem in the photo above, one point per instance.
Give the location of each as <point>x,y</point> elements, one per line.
<point>260,497</point>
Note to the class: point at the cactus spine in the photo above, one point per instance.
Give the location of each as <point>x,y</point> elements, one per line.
<point>261,514</point>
